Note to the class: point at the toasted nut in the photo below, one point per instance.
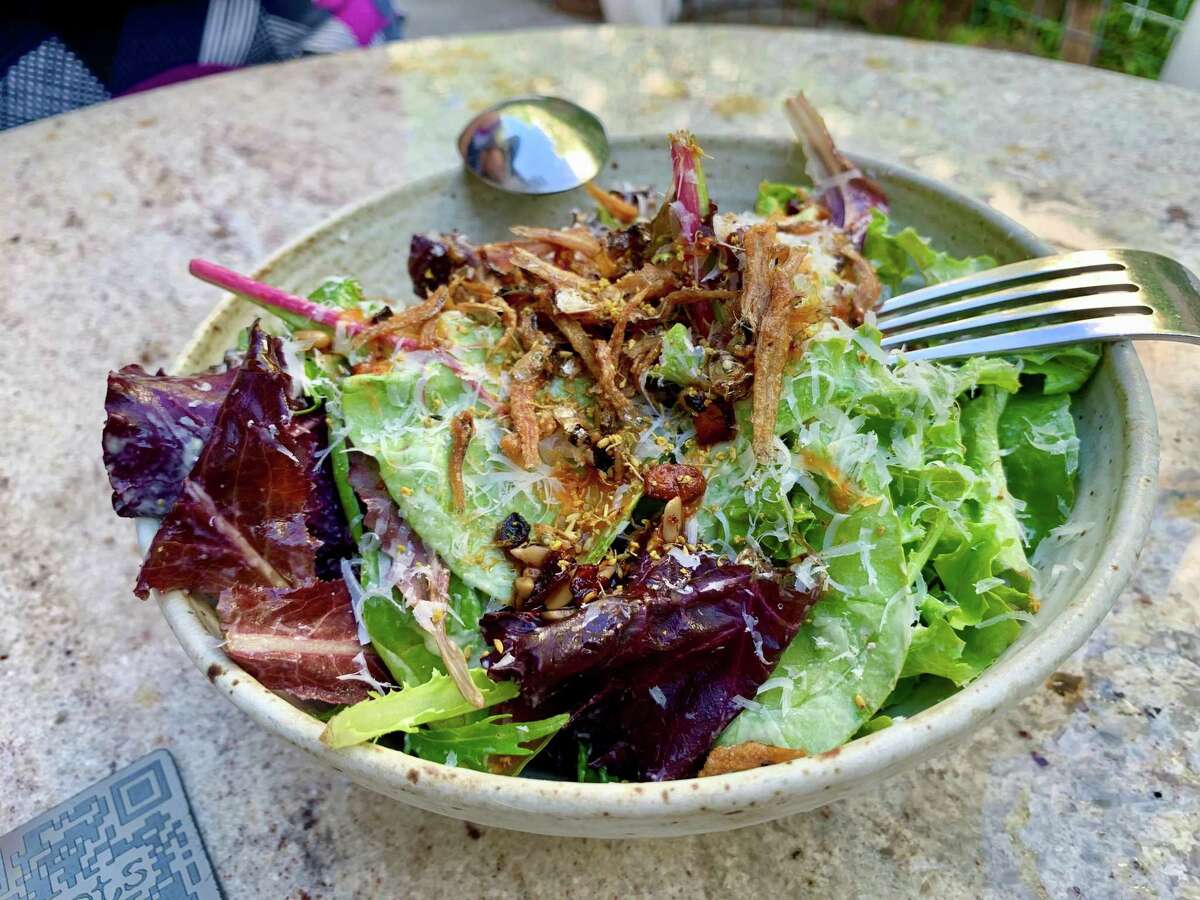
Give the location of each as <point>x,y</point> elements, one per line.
<point>557,615</point>
<point>560,597</point>
<point>667,480</point>
<point>522,588</point>
<point>672,520</point>
<point>531,554</point>
<point>317,340</point>
<point>531,572</point>
<point>606,572</point>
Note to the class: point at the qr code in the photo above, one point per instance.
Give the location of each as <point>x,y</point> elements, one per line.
<point>130,837</point>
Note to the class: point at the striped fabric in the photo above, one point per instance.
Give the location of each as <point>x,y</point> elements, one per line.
<point>65,56</point>
<point>228,32</point>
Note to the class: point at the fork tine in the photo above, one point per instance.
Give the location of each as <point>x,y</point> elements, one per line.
<point>1110,302</point>
<point>1106,328</point>
<point>1048,267</point>
<point>1071,286</point>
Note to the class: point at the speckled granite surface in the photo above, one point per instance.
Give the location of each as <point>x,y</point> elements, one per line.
<point>1092,794</point>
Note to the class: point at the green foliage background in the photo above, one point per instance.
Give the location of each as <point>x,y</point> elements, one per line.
<point>1132,37</point>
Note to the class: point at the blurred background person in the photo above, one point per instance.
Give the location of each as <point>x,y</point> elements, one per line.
<point>56,57</point>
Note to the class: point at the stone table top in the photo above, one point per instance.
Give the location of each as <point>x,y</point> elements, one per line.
<point>1093,794</point>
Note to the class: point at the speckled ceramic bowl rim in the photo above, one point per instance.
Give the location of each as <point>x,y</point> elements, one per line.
<point>475,794</point>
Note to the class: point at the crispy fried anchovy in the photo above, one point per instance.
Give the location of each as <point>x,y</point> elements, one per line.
<point>771,352</point>
<point>759,246</point>
<point>866,286</point>
<point>549,273</point>
<point>406,319</point>
<point>527,376</point>
<point>462,428</point>
<point>607,382</point>
<point>619,209</point>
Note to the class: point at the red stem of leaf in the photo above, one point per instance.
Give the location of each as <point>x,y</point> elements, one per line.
<point>683,162</point>
<point>274,298</point>
<point>271,297</point>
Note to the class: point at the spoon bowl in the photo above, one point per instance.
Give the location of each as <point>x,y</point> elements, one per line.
<point>534,145</point>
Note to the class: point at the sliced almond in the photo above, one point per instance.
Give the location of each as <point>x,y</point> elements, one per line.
<point>522,588</point>
<point>560,597</point>
<point>672,520</point>
<point>317,340</point>
<point>531,554</point>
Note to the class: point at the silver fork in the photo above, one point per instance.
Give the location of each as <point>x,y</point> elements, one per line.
<point>1093,295</point>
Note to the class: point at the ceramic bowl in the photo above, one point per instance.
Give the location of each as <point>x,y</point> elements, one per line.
<point>1081,580</point>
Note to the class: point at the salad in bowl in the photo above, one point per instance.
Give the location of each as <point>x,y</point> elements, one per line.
<point>635,498</point>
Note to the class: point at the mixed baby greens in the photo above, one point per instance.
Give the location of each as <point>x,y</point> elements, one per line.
<point>641,496</point>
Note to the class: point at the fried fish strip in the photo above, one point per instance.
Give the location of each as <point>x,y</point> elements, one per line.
<point>777,328</point>
<point>759,246</point>
<point>462,429</point>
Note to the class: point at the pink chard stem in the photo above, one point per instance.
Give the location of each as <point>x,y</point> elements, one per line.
<point>276,300</point>
<point>271,297</point>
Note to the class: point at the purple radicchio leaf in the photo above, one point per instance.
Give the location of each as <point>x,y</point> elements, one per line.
<point>240,517</point>
<point>323,513</point>
<point>301,641</point>
<point>651,676</point>
<point>845,191</point>
<point>429,263</point>
<point>155,428</point>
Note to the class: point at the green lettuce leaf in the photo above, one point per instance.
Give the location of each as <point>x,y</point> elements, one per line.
<point>774,197</point>
<point>981,432</point>
<point>845,661</point>
<point>680,359</point>
<point>1065,369</point>
<point>746,504</point>
<point>916,694</point>
<point>937,649</point>
<point>407,649</point>
<point>586,774</point>
<point>411,439</point>
<point>938,580</point>
<point>905,261</point>
<point>470,746</point>
<point>409,708</point>
<point>402,419</point>
<point>344,293</point>
<point>1041,457</point>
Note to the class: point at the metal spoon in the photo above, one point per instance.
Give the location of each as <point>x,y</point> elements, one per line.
<point>534,145</point>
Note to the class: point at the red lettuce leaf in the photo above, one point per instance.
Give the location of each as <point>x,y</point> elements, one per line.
<point>845,191</point>
<point>156,427</point>
<point>650,676</point>
<point>301,641</point>
<point>323,513</point>
<point>241,515</point>
<point>429,263</point>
